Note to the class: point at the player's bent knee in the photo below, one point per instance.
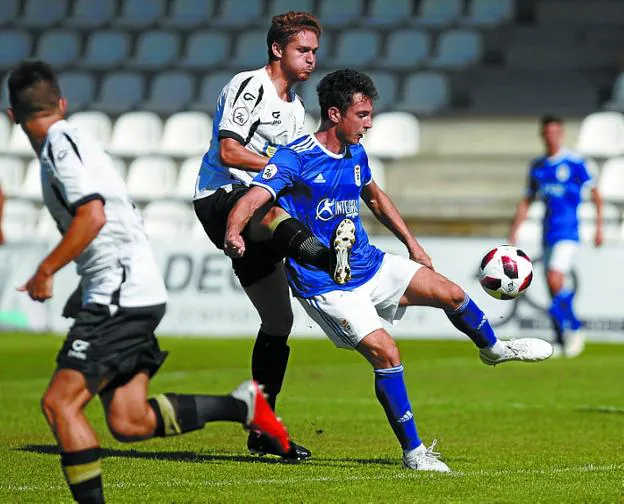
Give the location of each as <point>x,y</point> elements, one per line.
<point>56,406</point>
<point>126,429</point>
<point>456,295</point>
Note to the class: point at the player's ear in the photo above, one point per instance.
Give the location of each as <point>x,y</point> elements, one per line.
<point>276,50</point>
<point>334,115</point>
<point>11,115</point>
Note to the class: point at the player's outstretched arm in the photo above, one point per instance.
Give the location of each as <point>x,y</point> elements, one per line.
<point>522,211</point>
<point>387,213</point>
<point>235,155</point>
<point>85,226</point>
<point>245,207</point>
<point>597,199</point>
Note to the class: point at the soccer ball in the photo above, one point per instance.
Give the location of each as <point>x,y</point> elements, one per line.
<point>505,272</point>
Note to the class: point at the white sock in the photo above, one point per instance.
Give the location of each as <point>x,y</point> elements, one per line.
<point>497,348</point>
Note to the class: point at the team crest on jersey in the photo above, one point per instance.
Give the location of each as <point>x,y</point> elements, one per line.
<point>269,172</point>
<point>240,115</point>
<point>563,172</point>
<point>357,173</point>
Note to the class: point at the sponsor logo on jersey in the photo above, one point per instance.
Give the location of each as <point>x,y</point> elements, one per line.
<point>269,171</point>
<point>563,172</point>
<point>78,349</point>
<point>240,115</point>
<point>248,97</point>
<point>328,208</point>
<point>319,179</point>
<point>61,154</point>
<point>276,118</point>
<point>357,173</point>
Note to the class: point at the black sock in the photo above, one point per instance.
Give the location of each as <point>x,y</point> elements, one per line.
<point>558,330</point>
<point>295,240</point>
<point>180,413</point>
<point>83,472</point>
<point>268,363</point>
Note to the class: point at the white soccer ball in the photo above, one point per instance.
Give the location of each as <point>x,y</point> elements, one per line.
<point>505,272</point>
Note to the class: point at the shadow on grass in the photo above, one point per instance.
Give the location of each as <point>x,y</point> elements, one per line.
<point>188,456</point>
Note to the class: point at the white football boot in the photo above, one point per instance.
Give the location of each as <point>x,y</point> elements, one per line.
<point>341,245</point>
<point>574,343</point>
<point>424,459</point>
<point>522,349</point>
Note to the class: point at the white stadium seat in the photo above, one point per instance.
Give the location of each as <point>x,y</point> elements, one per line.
<point>96,124</point>
<point>167,220</point>
<point>611,182</point>
<point>19,220</point>
<point>11,175</point>
<point>136,133</point>
<point>186,134</point>
<point>393,135</point>
<point>378,170</point>
<point>151,177</point>
<point>31,187</point>
<point>185,188</point>
<point>18,142</point>
<point>602,134</point>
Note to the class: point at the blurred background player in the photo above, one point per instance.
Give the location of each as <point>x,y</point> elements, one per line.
<point>258,111</point>
<point>319,179</point>
<point>111,349</point>
<point>557,178</point>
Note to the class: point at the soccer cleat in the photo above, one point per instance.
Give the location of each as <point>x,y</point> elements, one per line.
<point>259,445</point>
<point>260,416</point>
<point>424,459</point>
<point>522,349</point>
<point>574,343</point>
<point>341,245</point>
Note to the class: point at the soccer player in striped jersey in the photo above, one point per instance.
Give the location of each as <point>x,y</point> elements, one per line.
<point>110,350</point>
<point>319,180</point>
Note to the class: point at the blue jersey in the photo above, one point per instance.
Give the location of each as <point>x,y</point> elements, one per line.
<point>320,189</point>
<point>557,181</point>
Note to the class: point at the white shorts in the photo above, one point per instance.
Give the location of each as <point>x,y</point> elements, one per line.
<point>348,316</point>
<point>560,256</point>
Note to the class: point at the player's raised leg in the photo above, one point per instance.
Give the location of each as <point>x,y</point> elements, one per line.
<point>429,288</point>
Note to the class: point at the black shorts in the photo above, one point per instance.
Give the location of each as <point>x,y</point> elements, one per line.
<point>260,257</point>
<point>115,347</point>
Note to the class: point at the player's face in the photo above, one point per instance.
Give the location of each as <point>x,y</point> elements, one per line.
<point>357,120</point>
<point>552,134</point>
<point>299,56</point>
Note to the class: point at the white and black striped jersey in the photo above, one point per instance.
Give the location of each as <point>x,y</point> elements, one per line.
<point>250,111</point>
<point>118,266</point>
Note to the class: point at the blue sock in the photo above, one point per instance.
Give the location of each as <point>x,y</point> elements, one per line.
<point>470,320</point>
<point>392,394</point>
<point>566,299</point>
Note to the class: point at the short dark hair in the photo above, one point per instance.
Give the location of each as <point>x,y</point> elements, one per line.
<point>33,87</point>
<point>337,88</point>
<point>549,119</point>
<point>285,26</point>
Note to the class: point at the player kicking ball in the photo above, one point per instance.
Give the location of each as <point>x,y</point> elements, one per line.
<point>319,180</point>
<point>111,349</point>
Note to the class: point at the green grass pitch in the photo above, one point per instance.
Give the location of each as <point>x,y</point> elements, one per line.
<point>550,432</point>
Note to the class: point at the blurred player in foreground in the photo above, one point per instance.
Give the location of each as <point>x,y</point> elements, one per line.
<point>557,178</point>
<point>319,180</point>
<point>111,349</point>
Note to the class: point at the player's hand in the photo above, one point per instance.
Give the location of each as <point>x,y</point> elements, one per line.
<point>598,238</point>
<point>39,287</point>
<point>421,257</point>
<point>234,246</point>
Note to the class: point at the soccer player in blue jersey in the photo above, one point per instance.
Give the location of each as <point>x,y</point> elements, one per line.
<point>319,180</point>
<point>557,178</point>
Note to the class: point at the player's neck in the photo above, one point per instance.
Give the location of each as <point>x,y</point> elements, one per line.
<point>554,152</point>
<point>279,80</point>
<point>326,136</point>
<point>36,129</point>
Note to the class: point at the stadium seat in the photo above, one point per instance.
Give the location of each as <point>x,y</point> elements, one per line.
<point>387,85</point>
<point>239,13</point>
<point>43,13</point>
<point>385,14</point>
<point>396,57</point>
<point>610,212</point>
<point>489,12</point>
<point>5,131</point>
<point>594,170</point>
<point>209,91</point>
<point>46,226</point>
<point>120,166</point>
<point>151,177</point>
<point>186,134</point>
<point>170,92</point>
<point>204,50</point>
<point>78,87</point>
<point>339,13</point>
<point>611,231</point>
<point>394,135</point>
<point>617,95</point>
<point>187,179</point>
<point>11,174</point>
<point>136,133</point>
<point>96,124</point>
<point>120,92</point>
<point>15,45</point>
<point>167,220</point>
<point>18,142</point>
<point>106,49</point>
<point>378,170</point>
<point>529,232</point>
<point>457,48</point>
<point>425,93</point>
<point>611,182</point>
<point>188,14</point>
<point>88,14</point>
<point>155,50</point>
<point>19,222</point>
<point>280,6</point>
<point>355,49</point>
<point>250,50</point>
<point>198,233</point>
<point>59,48</point>
<point>438,12</point>
<point>602,135</point>
<point>8,11</point>
<point>31,187</point>
<point>138,14</point>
